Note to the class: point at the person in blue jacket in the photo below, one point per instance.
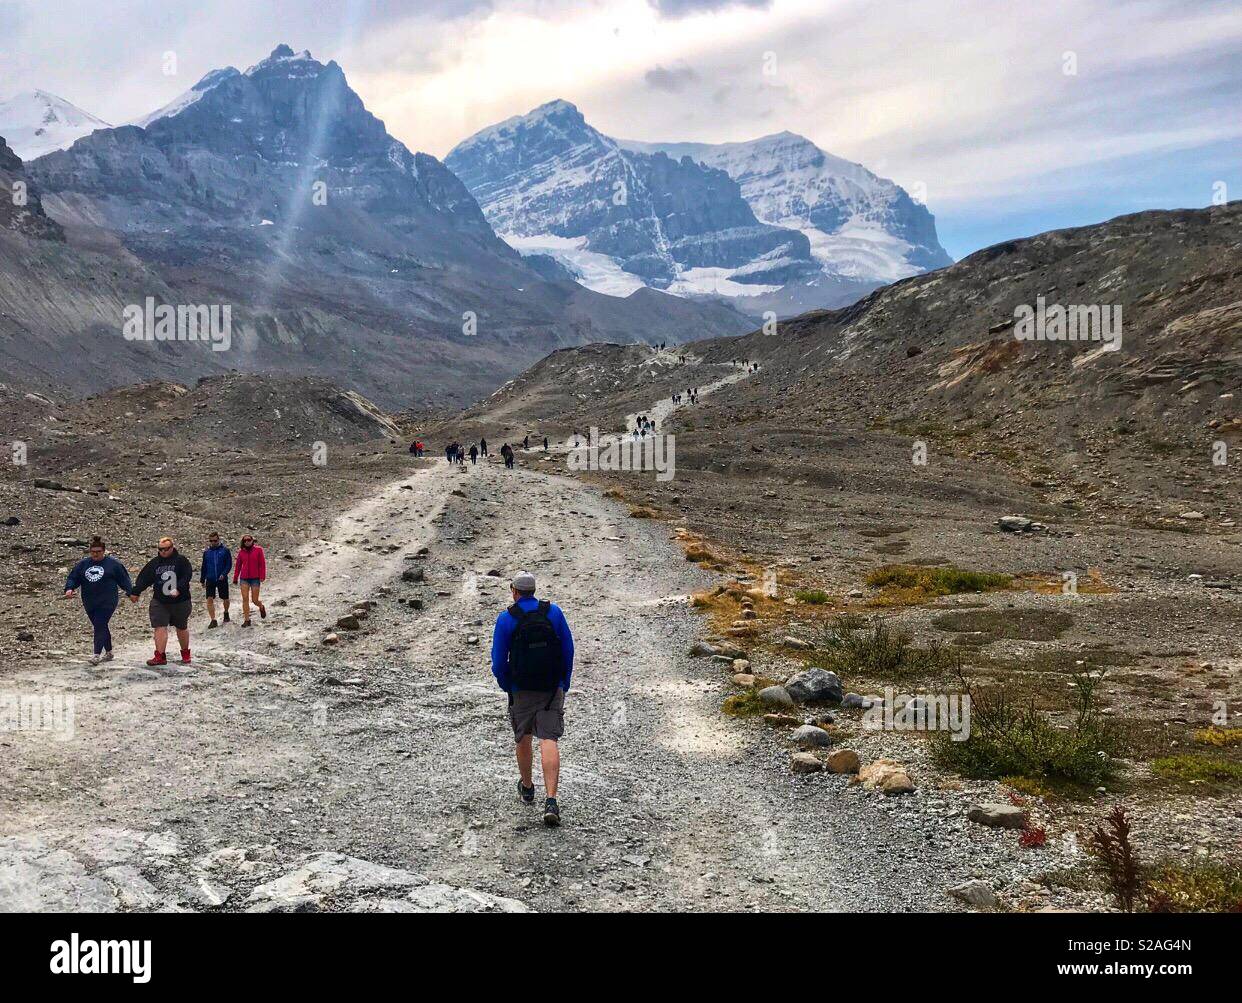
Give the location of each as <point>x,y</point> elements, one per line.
<point>533,661</point>
<point>214,575</point>
<point>102,579</point>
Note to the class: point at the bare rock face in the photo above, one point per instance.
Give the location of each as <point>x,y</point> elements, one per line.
<point>21,209</point>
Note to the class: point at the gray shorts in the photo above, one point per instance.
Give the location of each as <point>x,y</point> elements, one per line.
<point>538,713</point>
<point>175,615</point>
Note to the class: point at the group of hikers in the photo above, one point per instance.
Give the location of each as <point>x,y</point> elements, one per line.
<point>456,453</point>
<point>102,579</point>
<point>643,426</point>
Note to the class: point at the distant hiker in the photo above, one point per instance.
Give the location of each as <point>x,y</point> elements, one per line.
<point>101,577</point>
<point>483,447</point>
<point>414,448</point>
<point>506,451</point>
<point>251,570</point>
<point>474,453</point>
<point>214,575</point>
<point>533,660</point>
<point>526,442</point>
<point>449,452</point>
<point>168,576</point>
<point>419,448</point>
<point>545,443</point>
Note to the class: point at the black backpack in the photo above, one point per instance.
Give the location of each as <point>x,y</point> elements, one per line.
<point>535,661</point>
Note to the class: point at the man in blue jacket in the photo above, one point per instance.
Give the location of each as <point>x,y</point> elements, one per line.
<point>101,577</point>
<point>533,660</point>
<point>214,574</point>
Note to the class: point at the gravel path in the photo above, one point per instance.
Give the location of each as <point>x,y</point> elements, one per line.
<point>392,746</point>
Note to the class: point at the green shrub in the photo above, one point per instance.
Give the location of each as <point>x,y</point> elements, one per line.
<point>1008,741</point>
<point>817,597</point>
<point>876,652</point>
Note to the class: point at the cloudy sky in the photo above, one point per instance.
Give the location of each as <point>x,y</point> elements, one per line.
<point>1014,117</point>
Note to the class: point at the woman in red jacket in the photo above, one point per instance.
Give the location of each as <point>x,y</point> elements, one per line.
<point>251,569</point>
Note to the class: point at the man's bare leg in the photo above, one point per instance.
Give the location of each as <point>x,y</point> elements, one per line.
<point>525,758</point>
<point>211,608</point>
<point>550,758</point>
<point>161,639</point>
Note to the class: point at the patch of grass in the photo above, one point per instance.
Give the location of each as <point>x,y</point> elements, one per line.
<point>816,597</point>
<point>1202,886</point>
<point>914,582</point>
<point>874,651</point>
<point>744,704</point>
<point>700,554</point>
<point>1192,766</point>
<point>1007,741</point>
<point>1222,738</point>
<point>1029,785</point>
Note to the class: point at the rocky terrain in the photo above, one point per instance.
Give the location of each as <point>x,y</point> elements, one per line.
<point>743,628</point>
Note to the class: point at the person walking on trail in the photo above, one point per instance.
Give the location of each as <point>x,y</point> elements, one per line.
<point>533,661</point>
<point>506,452</point>
<point>168,576</point>
<point>101,577</point>
<point>482,447</point>
<point>474,454</point>
<point>526,442</point>
<point>251,570</point>
<point>545,443</point>
<point>214,575</point>
<point>448,452</point>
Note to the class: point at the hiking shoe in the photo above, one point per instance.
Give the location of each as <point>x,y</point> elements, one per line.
<point>96,659</point>
<point>551,812</point>
<point>212,624</point>
<point>159,659</point>
<point>262,612</point>
<point>527,794</point>
<point>107,656</point>
<point>245,623</point>
<point>185,656</point>
<point>226,616</point>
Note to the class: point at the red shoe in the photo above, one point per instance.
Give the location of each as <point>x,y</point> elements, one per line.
<point>185,656</point>
<point>159,659</point>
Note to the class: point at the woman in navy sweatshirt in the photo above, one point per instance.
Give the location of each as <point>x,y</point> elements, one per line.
<point>100,577</point>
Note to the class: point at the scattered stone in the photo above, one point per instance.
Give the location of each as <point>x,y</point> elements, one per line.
<point>810,736</point>
<point>744,679</point>
<point>814,685</point>
<point>775,696</point>
<point>853,701</point>
<point>843,761</point>
<point>886,775</point>
<point>804,762</point>
<point>797,643</point>
<point>25,635</point>
<point>472,639</point>
<point>976,893</point>
<point>701,649</point>
<point>331,639</point>
<point>1192,516</point>
<point>413,575</point>
<point>1000,816</point>
<point>781,720</point>
<point>348,622</point>
<point>741,665</point>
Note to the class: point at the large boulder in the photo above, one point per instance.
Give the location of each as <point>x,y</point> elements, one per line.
<point>775,696</point>
<point>810,737</point>
<point>815,685</point>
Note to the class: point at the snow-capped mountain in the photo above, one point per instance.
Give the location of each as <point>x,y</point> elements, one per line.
<point>620,219</point>
<point>860,226</point>
<point>340,250</point>
<point>775,223</point>
<point>36,122</point>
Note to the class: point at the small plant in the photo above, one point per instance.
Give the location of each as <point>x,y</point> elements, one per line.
<point>1033,838</point>
<point>1199,887</point>
<point>1110,845</point>
<point>744,704</point>
<point>877,652</point>
<point>1192,767</point>
<point>816,597</point>
<point>1221,738</point>
<point>933,582</point>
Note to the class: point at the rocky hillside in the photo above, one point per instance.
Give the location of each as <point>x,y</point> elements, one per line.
<point>21,209</point>
<point>339,252</point>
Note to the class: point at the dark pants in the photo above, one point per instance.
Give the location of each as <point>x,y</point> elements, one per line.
<point>99,617</point>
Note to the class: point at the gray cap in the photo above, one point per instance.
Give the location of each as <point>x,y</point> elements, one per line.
<point>524,581</point>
